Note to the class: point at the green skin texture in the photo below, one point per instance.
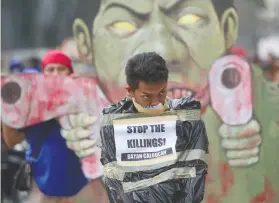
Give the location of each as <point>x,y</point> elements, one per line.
<point>196,47</point>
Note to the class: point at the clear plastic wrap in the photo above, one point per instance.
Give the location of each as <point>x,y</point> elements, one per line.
<point>154,158</point>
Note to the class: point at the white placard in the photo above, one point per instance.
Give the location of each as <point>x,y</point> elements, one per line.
<point>145,141</point>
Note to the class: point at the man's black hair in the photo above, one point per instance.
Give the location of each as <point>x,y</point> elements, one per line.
<point>148,67</point>
<point>33,62</point>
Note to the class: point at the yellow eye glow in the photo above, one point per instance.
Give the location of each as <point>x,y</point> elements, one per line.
<point>188,19</point>
<point>123,27</point>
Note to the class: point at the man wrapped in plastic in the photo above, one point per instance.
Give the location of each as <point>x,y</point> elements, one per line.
<point>154,148</point>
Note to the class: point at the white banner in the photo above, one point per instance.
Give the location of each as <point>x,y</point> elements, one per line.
<point>145,141</point>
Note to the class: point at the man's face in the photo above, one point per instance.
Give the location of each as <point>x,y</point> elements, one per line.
<point>274,61</point>
<point>150,94</point>
<point>56,70</point>
<point>186,33</point>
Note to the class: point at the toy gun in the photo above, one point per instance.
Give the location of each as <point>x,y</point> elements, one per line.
<point>28,99</point>
<point>230,89</point>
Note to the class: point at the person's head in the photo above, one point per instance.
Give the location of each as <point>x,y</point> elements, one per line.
<point>56,63</point>
<point>189,34</point>
<point>32,65</point>
<point>268,50</point>
<point>16,66</point>
<point>147,77</point>
<point>34,62</point>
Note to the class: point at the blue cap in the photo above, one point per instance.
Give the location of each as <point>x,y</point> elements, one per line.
<point>15,63</point>
<point>31,70</point>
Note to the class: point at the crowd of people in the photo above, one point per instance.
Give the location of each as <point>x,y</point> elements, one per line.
<point>30,65</point>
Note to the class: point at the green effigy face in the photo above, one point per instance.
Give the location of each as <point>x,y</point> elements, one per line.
<point>189,34</point>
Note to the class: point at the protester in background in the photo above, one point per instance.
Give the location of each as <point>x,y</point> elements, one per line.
<point>256,60</point>
<point>32,65</point>
<point>16,65</point>
<point>56,169</point>
<point>268,54</point>
<point>34,62</point>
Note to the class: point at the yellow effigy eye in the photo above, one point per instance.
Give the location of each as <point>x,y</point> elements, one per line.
<point>188,19</point>
<point>123,27</point>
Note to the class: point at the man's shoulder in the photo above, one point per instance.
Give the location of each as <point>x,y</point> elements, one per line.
<point>184,103</point>
<point>119,107</point>
<point>110,109</point>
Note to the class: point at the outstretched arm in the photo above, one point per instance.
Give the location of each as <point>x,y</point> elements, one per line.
<point>11,136</point>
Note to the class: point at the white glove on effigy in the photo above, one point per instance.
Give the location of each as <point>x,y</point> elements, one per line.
<point>241,143</point>
<point>77,130</point>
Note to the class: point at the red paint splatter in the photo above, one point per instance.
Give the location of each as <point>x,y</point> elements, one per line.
<point>226,181</point>
<point>89,165</point>
<point>267,196</point>
<point>57,98</point>
<point>209,178</point>
<point>38,116</point>
<point>213,198</point>
<point>248,133</point>
<point>226,178</point>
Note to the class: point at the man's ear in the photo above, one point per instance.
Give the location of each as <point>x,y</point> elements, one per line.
<point>83,39</point>
<point>229,25</point>
<point>129,90</point>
